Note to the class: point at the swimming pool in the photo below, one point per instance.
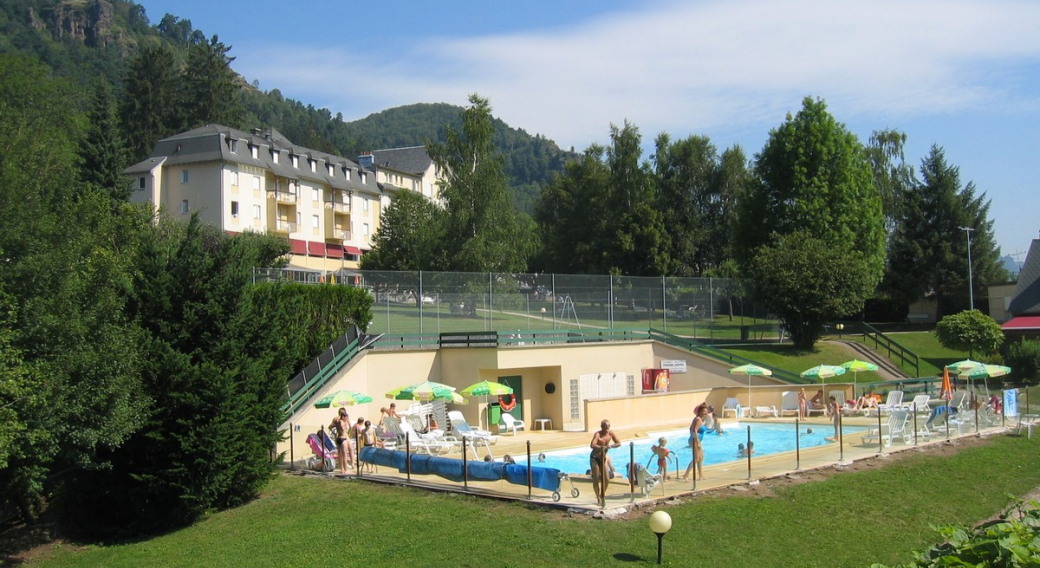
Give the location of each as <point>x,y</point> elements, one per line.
<point>768,439</point>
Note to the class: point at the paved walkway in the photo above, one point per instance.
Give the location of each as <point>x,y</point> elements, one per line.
<point>619,494</point>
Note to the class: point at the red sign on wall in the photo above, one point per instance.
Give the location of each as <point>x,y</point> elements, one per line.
<point>656,380</point>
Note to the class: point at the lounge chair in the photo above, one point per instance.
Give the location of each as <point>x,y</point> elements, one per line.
<point>789,403</point>
<point>894,428</point>
<point>1026,422</point>
<point>919,404</point>
<point>427,444</point>
<point>894,401</point>
<point>761,411</point>
<point>732,405</point>
<point>460,429</point>
<point>645,480</point>
<point>323,459</point>
<point>810,409</point>
<point>512,423</point>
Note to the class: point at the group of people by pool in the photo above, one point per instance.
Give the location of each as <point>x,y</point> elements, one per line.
<point>362,430</point>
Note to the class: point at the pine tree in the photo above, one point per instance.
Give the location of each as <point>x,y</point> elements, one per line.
<point>101,150</point>
<point>211,87</point>
<point>150,109</point>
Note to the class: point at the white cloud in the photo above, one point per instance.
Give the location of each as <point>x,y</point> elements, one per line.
<point>691,67</point>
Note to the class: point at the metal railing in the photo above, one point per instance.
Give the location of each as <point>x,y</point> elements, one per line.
<point>892,348</point>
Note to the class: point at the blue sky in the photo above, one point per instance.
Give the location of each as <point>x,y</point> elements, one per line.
<point>961,74</point>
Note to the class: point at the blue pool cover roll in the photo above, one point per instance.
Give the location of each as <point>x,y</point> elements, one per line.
<point>449,468</point>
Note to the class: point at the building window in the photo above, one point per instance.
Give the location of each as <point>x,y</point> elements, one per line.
<point>364,203</point>
<point>295,160</point>
<point>364,229</point>
<point>233,145</point>
<point>254,151</point>
<point>142,183</point>
<point>184,206</point>
<point>234,209</point>
<point>234,178</point>
<point>346,173</point>
<point>256,182</point>
<point>314,221</point>
<point>256,211</point>
<point>274,156</point>
<point>315,194</point>
<point>363,177</point>
<point>331,169</point>
<point>184,176</point>
<point>299,218</point>
<point>314,165</point>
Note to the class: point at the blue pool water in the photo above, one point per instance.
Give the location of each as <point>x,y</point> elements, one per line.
<point>768,439</point>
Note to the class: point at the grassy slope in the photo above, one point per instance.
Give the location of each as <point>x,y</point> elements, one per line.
<point>850,519</point>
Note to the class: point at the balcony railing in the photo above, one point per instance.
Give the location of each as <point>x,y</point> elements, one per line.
<point>284,226</point>
<point>340,234</point>
<point>282,196</point>
<point>338,206</point>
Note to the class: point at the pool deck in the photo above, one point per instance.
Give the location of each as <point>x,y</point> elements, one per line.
<point>619,496</point>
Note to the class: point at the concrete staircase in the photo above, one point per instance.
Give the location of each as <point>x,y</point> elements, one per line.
<point>887,370</point>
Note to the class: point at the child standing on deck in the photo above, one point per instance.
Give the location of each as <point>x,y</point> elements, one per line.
<point>662,457</point>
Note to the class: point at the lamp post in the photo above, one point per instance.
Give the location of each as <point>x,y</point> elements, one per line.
<point>971,291</point>
<point>840,327</point>
<point>660,523</point>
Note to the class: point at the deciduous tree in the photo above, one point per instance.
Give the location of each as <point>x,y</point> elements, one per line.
<point>971,331</point>
<point>812,178</point>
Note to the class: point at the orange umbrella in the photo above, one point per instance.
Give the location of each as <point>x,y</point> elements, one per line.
<point>946,391</point>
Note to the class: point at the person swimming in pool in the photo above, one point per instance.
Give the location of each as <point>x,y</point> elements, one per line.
<point>602,441</point>
<point>697,430</point>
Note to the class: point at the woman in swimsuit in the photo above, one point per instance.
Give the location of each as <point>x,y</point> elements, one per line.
<point>697,430</point>
<point>339,426</point>
<point>602,441</point>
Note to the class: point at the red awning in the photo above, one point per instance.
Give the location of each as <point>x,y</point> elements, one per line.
<point>334,251</point>
<point>316,249</point>
<point>297,246</point>
<point>352,250</point>
<point>1023,323</point>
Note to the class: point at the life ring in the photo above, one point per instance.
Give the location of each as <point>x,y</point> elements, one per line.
<point>507,402</point>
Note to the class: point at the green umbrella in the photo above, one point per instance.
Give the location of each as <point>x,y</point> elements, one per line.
<point>342,398</point>
<point>984,371</point>
<point>823,372</point>
<point>486,389</point>
<point>961,366</point>
<point>425,392</point>
<point>856,366</point>
<point>750,369</point>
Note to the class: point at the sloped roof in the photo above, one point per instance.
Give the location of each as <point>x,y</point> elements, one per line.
<point>213,143</point>
<point>1026,299</point>
<point>413,160</point>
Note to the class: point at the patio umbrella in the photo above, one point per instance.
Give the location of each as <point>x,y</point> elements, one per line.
<point>486,389</point>
<point>984,372</point>
<point>946,390</point>
<point>427,391</point>
<point>961,366</point>
<point>342,398</point>
<point>749,370</point>
<point>823,372</point>
<point>856,366</point>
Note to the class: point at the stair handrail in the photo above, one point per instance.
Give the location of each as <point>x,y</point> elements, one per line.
<point>723,356</point>
<point>882,341</point>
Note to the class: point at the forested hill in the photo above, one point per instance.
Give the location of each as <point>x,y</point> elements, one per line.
<point>529,160</point>
<point>84,40</point>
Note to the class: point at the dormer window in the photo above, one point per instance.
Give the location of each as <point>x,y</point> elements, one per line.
<point>313,164</point>
<point>331,169</point>
<point>346,173</point>
<point>364,177</point>
<point>274,156</point>
<point>254,152</point>
<point>295,160</point>
<point>233,145</point>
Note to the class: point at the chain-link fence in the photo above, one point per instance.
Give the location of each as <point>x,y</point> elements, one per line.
<point>710,309</point>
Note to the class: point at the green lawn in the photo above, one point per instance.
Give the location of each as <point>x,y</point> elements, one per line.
<point>850,519</point>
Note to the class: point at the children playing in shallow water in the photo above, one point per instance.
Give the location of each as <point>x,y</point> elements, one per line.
<point>662,454</point>
<point>745,452</point>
